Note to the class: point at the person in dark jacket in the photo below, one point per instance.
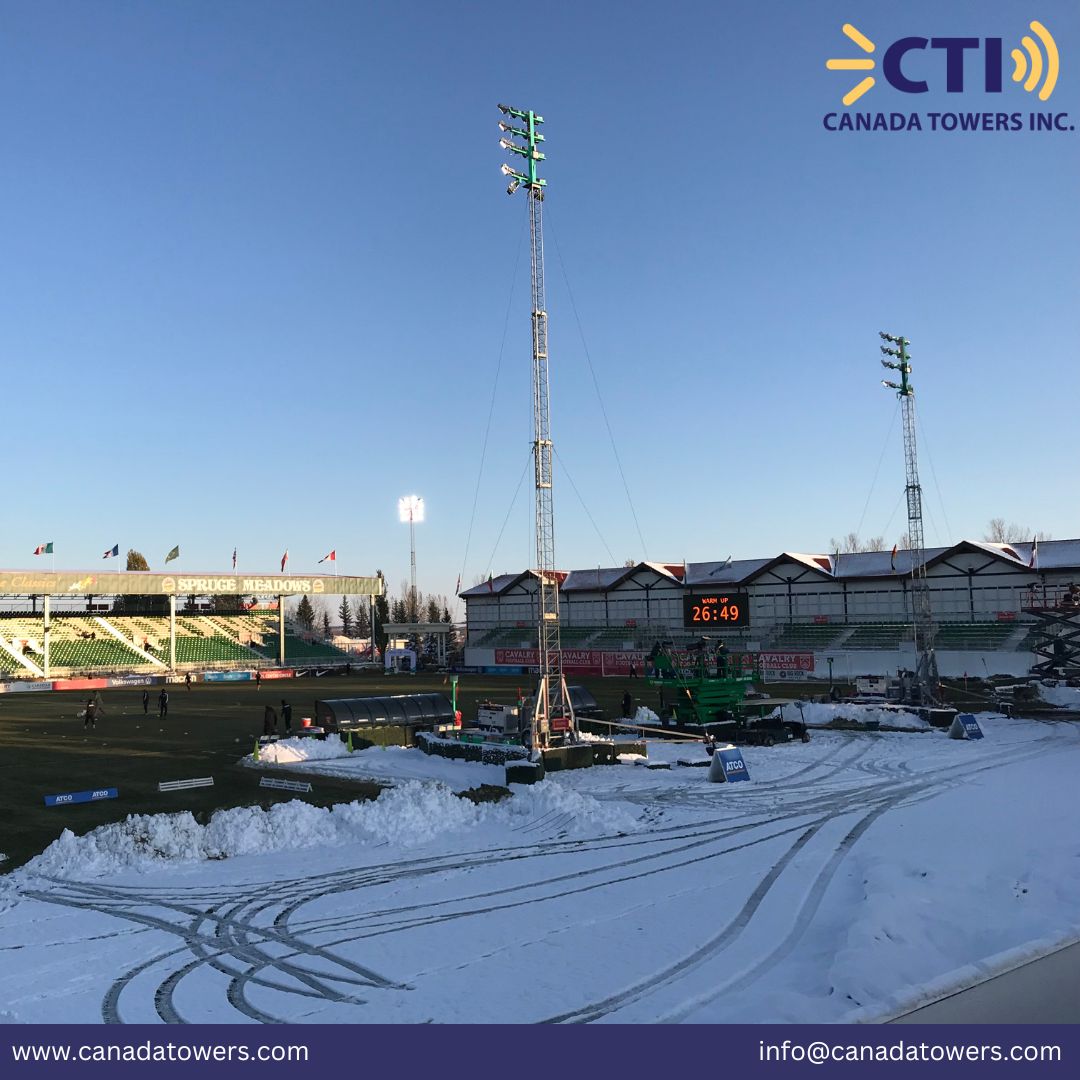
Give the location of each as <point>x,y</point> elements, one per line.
<point>269,720</point>
<point>627,704</point>
<point>163,703</point>
<point>90,716</point>
<point>145,702</point>
<point>286,716</point>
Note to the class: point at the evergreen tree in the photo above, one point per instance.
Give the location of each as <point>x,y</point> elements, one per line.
<point>399,611</point>
<point>445,617</point>
<point>431,610</point>
<point>382,615</point>
<point>362,621</point>
<point>346,616</point>
<point>326,624</point>
<point>411,603</point>
<point>305,613</point>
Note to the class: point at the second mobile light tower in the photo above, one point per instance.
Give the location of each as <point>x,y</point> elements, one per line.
<point>552,719</point>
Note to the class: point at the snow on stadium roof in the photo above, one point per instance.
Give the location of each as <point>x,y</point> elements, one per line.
<point>600,578</point>
<point>1052,555</point>
<point>494,585</point>
<point>603,578</point>
<point>502,583</point>
<point>726,572</point>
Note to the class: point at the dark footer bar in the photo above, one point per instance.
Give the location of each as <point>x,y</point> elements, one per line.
<point>597,1052</point>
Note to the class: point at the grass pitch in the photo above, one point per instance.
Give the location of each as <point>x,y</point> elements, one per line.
<point>45,750</point>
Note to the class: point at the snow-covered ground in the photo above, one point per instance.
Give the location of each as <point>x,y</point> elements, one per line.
<point>1066,697</point>
<point>816,714</point>
<point>851,871</point>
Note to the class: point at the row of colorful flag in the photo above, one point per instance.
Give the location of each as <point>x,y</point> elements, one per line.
<point>114,551</point>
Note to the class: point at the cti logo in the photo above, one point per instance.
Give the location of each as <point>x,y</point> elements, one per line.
<point>1028,63</point>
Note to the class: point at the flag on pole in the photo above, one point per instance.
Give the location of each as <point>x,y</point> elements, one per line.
<point>1033,562</point>
<point>174,554</point>
<point>332,557</point>
<point>112,552</point>
<point>892,559</point>
<point>234,558</point>
<point>491,583</point>
<point>457,587</point>
<point>44,549</point>
<point>284,560</point>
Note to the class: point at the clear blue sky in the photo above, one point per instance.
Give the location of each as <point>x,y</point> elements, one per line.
<point>257,262</point>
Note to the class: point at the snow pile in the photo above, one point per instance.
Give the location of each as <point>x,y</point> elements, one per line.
<point>816,715</point>
<point>1065,697</point>
<point>587,816</point>
<point>646,717</point>
<point>394,764</point>
<point>291,751</point>
<point>407,816</point>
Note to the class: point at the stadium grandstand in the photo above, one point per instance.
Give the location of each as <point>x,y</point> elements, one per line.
<point>66,624</point>
<point>990,604</point>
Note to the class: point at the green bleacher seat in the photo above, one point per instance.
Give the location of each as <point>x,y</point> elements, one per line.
<point>808,635</point>
<point>879,636</point>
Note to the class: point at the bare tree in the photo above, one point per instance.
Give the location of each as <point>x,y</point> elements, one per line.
<point>1000,532</point>
<point>851,543</point>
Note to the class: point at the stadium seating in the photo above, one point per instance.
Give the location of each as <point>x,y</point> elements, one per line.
<point>195,649</point>
<point>75,642</point>
<point>9,664</point>
<point>297,648</point>
<point>808,636</point>
<point>613,638</point>
<point>879,636</point>
<point>978,636</point>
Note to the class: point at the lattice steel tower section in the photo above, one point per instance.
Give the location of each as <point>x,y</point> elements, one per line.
<point>922,615</point>
<point>553,715</point>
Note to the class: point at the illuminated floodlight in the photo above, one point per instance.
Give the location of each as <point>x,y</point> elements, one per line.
<point>410,509</point>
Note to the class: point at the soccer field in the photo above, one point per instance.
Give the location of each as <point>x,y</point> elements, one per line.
<point>45,750</point>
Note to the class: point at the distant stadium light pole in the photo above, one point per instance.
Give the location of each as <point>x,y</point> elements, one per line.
<point>548,715</point>
<point>922,617</point>
<point>411,509</point>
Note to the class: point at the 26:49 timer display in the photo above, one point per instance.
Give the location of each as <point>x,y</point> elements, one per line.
<point>719,610</point>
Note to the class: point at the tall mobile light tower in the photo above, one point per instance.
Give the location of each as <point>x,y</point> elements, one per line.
<point>922,617</point>
<point>553,715</point>
<point>411,509</point>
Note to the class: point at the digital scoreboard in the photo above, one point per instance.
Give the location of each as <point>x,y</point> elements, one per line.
<point>716,610</point>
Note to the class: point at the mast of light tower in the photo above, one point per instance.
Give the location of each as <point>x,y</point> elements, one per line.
<point>411,509</point>
<point>922,617</point>
<point>552,713</point>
